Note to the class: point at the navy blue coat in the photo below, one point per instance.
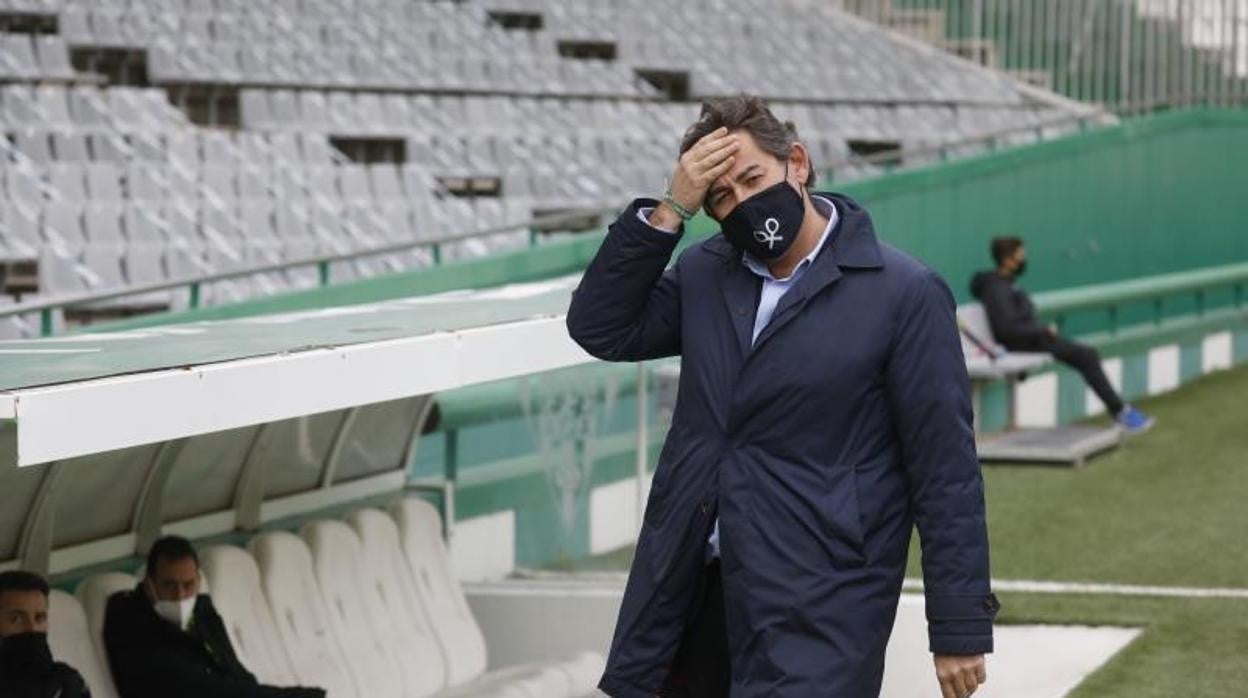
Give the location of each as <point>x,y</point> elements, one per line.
<point>846,423</point>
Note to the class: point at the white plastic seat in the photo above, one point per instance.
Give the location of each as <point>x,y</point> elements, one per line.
<point>104,263</point>
<point>70,638</point>
<point>103,221</point>
<point>239,598</point>
<point>104,181</point>
<point>93,593</point>
<point>357,614</point>
<point>289,583</point>
<point>384,568</point>
<point>420,532</point>
<point>144,264</point>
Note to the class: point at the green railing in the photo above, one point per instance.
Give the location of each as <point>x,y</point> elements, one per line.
<point>1199,286</point>
<point>47,308</point>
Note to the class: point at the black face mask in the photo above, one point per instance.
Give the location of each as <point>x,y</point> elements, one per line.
<point>25,654</point>
<point>766,224</point>
<point>1020,269</point>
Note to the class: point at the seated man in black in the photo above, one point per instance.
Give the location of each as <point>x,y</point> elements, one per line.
<point>1013,319</point>
<point>166,639</point>
<point>26,666</point>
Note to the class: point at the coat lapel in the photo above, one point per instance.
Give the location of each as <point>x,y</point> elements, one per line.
<point>822,274</point>
<point>740,288</point>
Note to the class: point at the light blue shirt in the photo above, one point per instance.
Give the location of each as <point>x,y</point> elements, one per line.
<point>773,290</point>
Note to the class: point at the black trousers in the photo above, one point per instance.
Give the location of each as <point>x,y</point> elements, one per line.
<point>1085,360</point>
<point>701,668</point>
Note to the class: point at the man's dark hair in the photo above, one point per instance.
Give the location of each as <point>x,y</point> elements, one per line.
<point>752,115</point>
<point>18,580</point>
<point>168,549</point>
<point>1004,247</point>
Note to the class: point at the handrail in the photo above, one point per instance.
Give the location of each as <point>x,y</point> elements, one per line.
<point>323,261</point>
<point>1110,296</point>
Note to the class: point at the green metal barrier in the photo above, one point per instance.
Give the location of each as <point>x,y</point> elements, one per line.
<point>1153,196</point>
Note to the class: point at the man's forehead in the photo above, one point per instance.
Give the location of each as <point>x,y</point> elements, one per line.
<point>757,163</point>
<point>181,569</point>
<point>24,600</point>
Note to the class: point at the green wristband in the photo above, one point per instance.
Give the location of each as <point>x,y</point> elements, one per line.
<point>684,213</point>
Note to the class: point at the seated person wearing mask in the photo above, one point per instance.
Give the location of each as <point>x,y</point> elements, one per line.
<point>26,666</point>
<point>1013,319</point>
<point>164,638</point>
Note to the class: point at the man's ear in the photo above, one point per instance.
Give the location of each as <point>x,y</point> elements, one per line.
<point>799,163</point>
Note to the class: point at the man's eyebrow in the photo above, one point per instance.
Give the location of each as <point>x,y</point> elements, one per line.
<point>745,174</point>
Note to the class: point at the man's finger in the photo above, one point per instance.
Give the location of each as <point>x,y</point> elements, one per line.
<point>721,150</point>
<point>708,141</point>
<point>981,672</point>
<point>717,171</point>
<point>946,689</point>
<point>969,682</point>
<point>958,683</point>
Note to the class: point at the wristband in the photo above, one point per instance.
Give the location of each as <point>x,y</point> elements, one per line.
<point>684,213</point>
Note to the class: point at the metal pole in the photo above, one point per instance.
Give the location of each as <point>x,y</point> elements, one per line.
<point>643,442</point>
<point>1124,56</point>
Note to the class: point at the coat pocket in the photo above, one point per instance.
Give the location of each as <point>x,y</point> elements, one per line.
<point>841,515</point>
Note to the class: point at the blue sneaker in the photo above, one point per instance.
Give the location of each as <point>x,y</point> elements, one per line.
<point>1134,421</point>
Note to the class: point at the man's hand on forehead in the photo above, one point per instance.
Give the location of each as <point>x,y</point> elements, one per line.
<point>709,159</point>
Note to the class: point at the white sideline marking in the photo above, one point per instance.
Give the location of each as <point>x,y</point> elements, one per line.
<point>1040,587</point>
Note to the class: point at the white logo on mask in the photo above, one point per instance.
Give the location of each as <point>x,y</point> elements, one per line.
<point>771,235</point>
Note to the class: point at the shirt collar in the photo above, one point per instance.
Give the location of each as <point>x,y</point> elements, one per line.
<point>823,206</point>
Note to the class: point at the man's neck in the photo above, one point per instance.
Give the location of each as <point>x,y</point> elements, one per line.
<point>813,225</point>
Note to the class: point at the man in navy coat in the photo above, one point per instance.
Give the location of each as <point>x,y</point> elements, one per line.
<point>823,411</point>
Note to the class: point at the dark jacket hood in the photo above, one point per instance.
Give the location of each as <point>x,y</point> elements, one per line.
<point>980,281</point>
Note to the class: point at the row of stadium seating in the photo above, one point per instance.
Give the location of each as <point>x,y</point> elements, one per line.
<point>365,608</point>
<point>110,185</point>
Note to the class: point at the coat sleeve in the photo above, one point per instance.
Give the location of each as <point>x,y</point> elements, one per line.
<point>1008,325</point>
<point>929,395</point>
<point>627,306</point>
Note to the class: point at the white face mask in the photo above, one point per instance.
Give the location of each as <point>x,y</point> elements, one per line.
<point>177,612</point>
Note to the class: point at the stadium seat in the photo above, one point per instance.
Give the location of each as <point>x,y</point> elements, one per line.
<point>370,627</point>
<point>288,579</point>
<point>93,593</point>
<point>235,581</point>
<point>979,345</point>
<point>70,638</point>
<point>420,534</point>
<point>383,567</point>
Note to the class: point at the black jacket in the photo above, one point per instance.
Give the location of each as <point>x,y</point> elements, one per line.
<point>151,658</point>
<point>1010,312</point>
<point>56,681</point>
